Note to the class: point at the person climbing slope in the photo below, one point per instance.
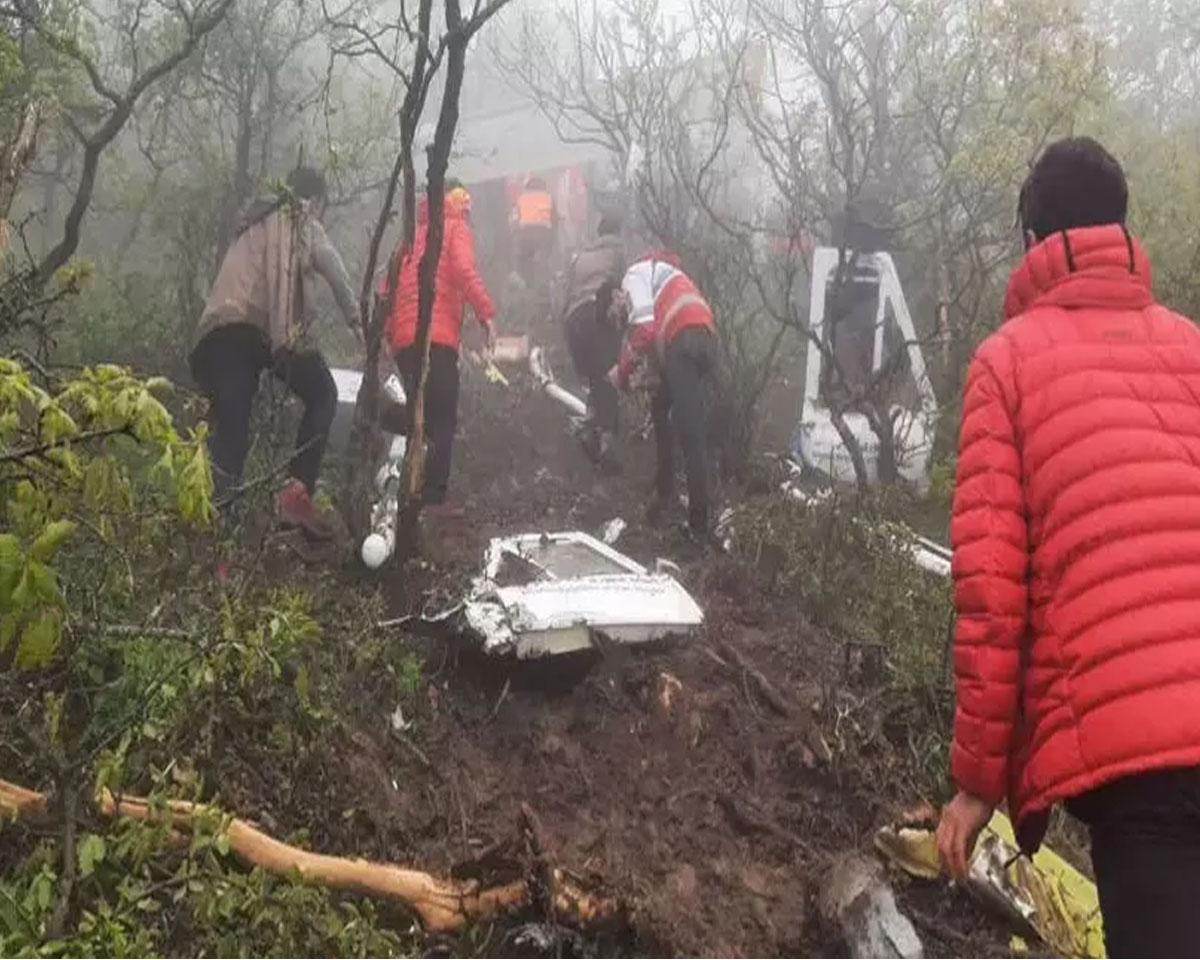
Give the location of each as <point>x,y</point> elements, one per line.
<point>1077,561</point>
<point>669,325</point>
<point>458,282</point>
<point>259,316</point>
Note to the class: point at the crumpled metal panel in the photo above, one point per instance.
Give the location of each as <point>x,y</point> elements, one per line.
<point>572,592</point>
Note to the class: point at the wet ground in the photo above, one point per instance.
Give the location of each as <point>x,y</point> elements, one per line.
<point>707,783</point>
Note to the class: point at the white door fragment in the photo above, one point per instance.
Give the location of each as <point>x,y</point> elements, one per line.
<point>551,593</point>
<point>860,904</point>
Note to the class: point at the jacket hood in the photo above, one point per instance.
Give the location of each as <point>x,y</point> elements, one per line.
<point>456,206</point>
<point>1102,267</point>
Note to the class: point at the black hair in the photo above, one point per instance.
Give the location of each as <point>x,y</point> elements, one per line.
<point>1075,183</point>
<point>608,226</point>
<point>453,183</point>
<point>307,183</point>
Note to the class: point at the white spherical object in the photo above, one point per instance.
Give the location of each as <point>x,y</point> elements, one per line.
<point>374,551</point>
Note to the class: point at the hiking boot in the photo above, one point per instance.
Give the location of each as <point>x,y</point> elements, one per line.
<point>296,509</point>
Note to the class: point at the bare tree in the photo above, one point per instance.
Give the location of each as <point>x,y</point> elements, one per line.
<point>97,121</point>
<point>406,47</point>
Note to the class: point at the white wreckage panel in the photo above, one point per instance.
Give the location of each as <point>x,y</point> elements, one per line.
<point>544,594</point>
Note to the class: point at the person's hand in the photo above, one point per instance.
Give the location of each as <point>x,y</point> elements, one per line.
<point>614,377</point>
<point>489,349</point>
<point>962,820</point>
<point>619,307</point>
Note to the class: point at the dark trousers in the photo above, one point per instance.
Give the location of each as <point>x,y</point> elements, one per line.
<point>1145,834</point>
<point>680,408</point>
<point>534,248</point>
<point>594,345</point>
<point>441,412</point>
<point>227,365</point>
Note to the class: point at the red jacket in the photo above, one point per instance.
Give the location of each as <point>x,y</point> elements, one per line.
<point>1076,533</point>
<point>663,301</point>
<point>457,280</point>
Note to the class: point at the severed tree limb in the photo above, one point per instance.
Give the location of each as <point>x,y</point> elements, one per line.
<point>443,905</point>
<point>18,801</point>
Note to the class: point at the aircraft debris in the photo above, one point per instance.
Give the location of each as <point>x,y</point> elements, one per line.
<point>1044,895</point>
<point>553,593</point>
<point>860,904</point>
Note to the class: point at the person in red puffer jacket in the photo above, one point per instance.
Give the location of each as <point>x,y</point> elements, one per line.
<point>458,283</point>
<point>1076,533</point>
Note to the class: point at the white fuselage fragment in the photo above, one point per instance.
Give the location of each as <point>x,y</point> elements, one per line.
<point>817,442</point>
<point>575,593</point>
<point>379,545</point>
<point>545,379</point>
<point>927,554</point>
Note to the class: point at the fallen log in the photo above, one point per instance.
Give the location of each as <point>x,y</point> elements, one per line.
<point>18,801</point>
<point>443,905</point>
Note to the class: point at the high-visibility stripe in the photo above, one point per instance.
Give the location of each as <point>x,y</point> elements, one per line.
<point>675,312</point>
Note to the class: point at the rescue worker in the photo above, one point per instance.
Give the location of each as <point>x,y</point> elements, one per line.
<point>534,220</point>
<point>592,337</point>
<point>1077,561</point>
<point>258,317</point>
<point>457,281</point>
<point>669,325</point>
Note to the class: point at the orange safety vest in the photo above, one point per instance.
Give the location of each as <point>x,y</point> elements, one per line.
<point>535,208</point>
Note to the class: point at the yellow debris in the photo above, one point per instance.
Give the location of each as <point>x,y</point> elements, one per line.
<point>1054,899</point>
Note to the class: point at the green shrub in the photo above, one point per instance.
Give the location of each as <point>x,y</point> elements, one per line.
<point>848,562</point>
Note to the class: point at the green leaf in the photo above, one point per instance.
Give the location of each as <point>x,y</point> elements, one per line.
<point>8,629</point>
<point>43,888</point>
<point>39,583</point>
<point>52,537</point>
<point>12,563</point>
<point>302,683</point>
<point>57,424</point>
<point>39,640</point>
<point>90,851</point>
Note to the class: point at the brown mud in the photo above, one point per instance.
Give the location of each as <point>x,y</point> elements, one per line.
<point>708,783</point>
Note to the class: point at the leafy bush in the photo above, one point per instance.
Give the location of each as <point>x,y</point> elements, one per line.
<point>123,670</point>
<point>139,894</point>
<point>848,561</point>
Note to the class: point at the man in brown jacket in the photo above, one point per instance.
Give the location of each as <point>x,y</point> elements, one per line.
<point>258,317</point>
<point>592,338</point>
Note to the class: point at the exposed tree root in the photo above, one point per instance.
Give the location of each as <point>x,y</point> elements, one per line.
<point>442,905</point>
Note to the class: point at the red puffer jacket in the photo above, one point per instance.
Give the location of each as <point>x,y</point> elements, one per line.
<point>457,280</point>
<point>1076,534</point>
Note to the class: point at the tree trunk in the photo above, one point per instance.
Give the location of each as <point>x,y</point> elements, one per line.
<point>438,160</point>
<point>374,313</point>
